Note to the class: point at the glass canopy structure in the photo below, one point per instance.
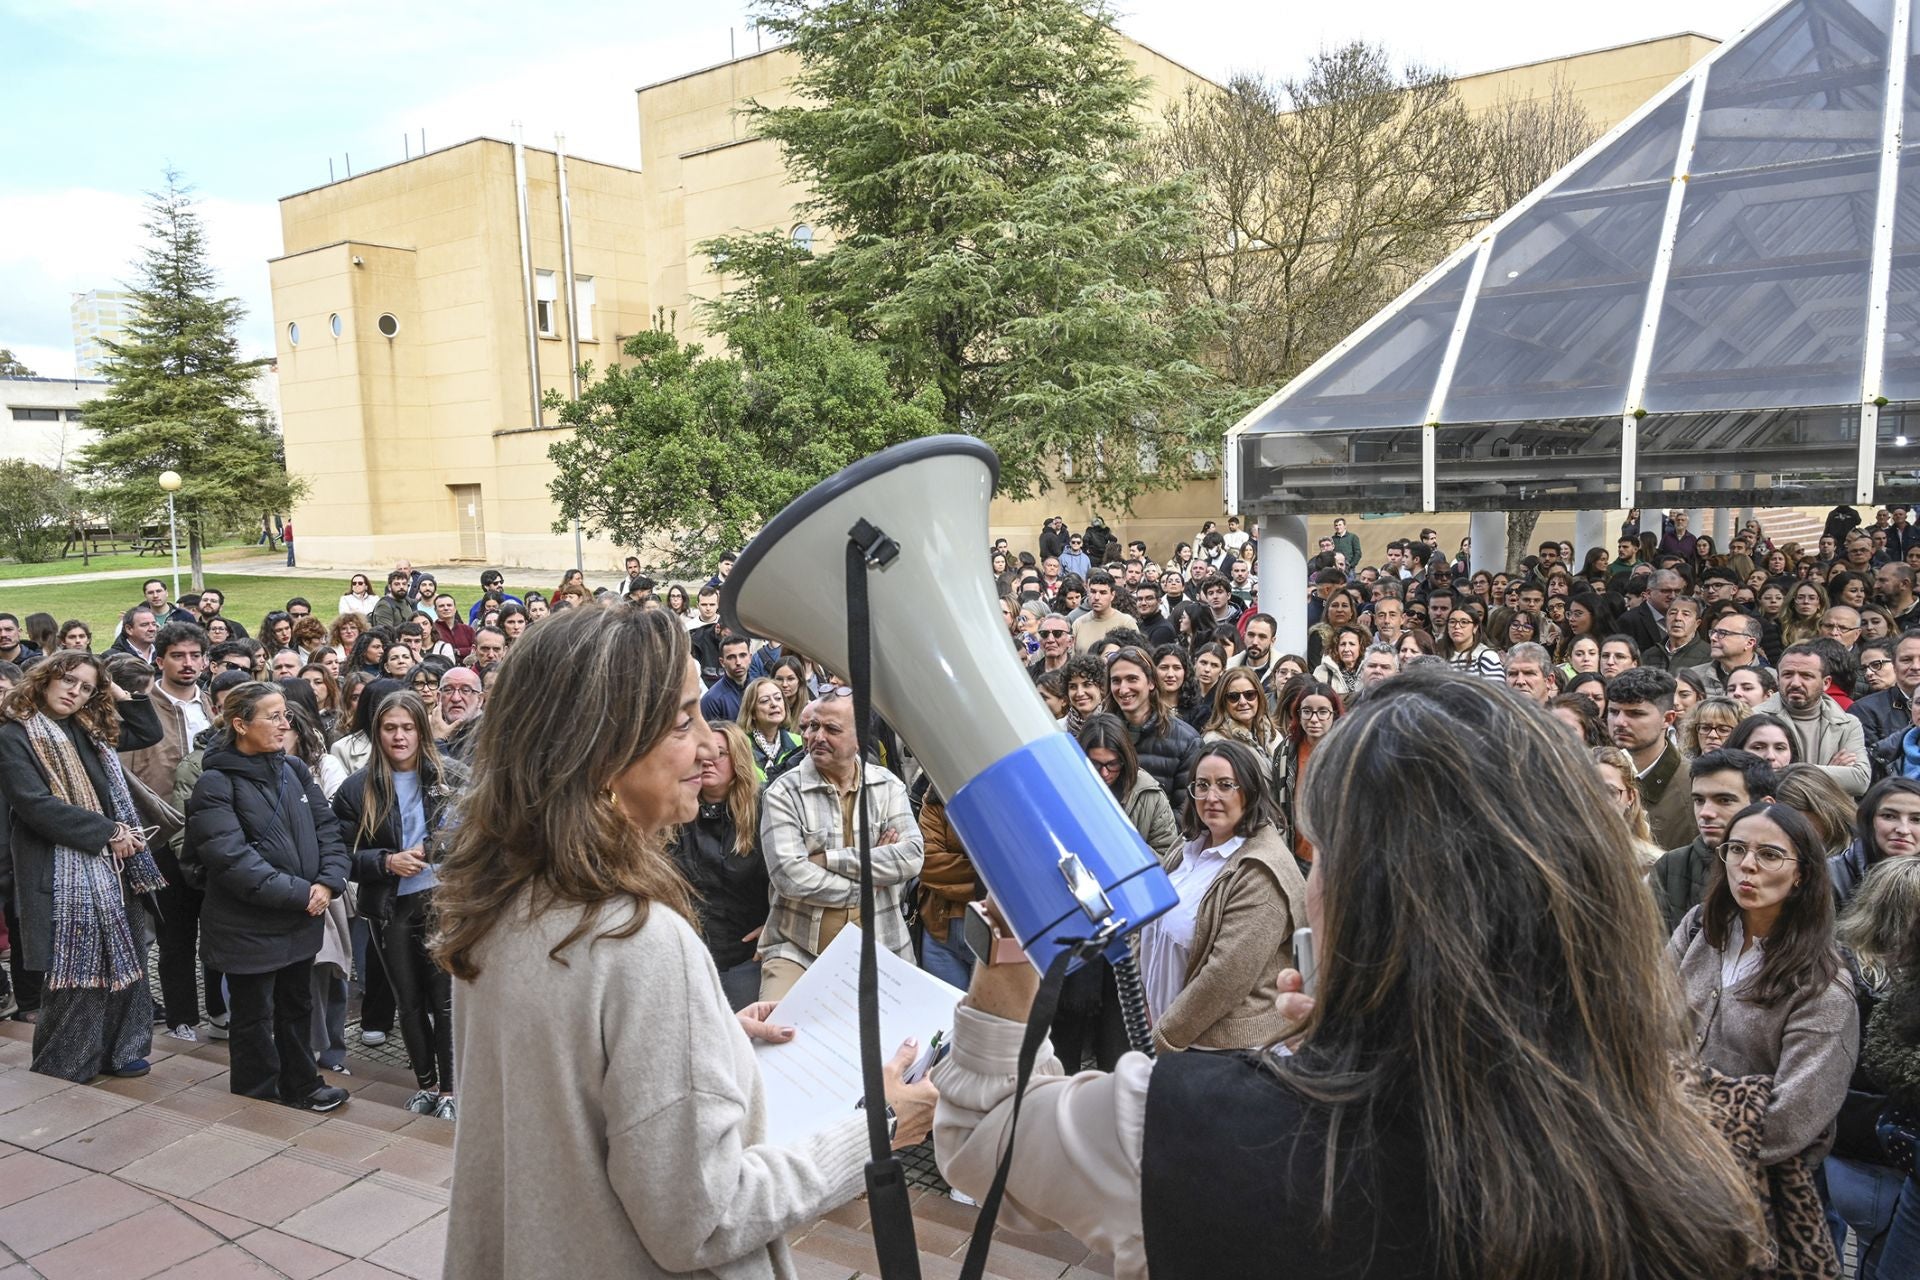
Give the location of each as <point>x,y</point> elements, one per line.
<point>1726,285</point>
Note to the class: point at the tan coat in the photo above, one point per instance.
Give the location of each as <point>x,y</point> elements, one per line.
<point>1242,938</point>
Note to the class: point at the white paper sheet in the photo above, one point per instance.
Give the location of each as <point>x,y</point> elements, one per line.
<point>814,1079</point>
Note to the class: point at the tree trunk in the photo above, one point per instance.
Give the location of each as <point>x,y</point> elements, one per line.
<point>1520,526</point>
<point>193,552</point>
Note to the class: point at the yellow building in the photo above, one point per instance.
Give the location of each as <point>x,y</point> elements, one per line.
<point>419,306</point>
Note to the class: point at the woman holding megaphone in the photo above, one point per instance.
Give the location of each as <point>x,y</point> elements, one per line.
<point>611,1115</point>
<point>1484,1088</point>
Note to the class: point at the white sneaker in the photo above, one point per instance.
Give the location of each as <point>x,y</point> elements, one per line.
<point>183,1032</point>
<point>446,1110</point>
<point>424,1103</point>
<point>373,1037</point>
<point>217,1027</point>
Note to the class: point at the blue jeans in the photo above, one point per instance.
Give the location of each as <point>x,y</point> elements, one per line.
<point>1900,1249</point>
<point>741,984</point>
<point>948,959</point>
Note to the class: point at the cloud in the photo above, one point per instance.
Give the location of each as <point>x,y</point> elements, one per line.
<point>73,239</point>
<point>587,94</point>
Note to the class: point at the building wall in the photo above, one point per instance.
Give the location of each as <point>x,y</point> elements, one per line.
<point>40,419</point>
<point>384,428</point>
<point>97,314</point>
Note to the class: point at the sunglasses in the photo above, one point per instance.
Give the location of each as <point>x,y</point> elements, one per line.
<point>1243,695</point>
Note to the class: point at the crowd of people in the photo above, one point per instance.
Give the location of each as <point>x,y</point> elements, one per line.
<point>318,812</point>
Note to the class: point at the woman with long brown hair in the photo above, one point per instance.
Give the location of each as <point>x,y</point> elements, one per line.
<point>1482,1088</point>
<point>719,853</point>
<point>80,860</point>
<point>599,1061</point>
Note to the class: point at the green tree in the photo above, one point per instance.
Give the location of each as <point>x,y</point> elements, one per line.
<point>973,164</point>
<point>11,367</point>
<point>694,453</point>
<point>181,396</point>
<point>35,503</point>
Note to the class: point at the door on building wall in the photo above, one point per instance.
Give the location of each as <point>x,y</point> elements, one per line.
<point>470,516</point>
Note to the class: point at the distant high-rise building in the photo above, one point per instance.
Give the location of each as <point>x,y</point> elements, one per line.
<point>98,314</point>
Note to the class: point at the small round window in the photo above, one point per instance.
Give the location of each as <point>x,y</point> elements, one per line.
<point>803,236</point>
<point>335,325</point>
<point>293,334</point>
<point>388,324</point>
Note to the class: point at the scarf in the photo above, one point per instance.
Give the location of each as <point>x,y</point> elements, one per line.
<point>93,944</point>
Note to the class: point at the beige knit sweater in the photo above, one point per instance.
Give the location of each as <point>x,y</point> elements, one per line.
<point>611,1117</point>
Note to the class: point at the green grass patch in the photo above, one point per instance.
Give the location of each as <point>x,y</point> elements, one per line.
<point>160,565</point>
<point>99,604</point>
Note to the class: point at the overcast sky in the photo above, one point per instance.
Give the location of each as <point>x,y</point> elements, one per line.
<point>250,100</point>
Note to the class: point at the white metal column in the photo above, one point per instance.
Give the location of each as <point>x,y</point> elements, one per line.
<point>1880,281</point>
<point>1283,578</point>
<point>1488,529</point>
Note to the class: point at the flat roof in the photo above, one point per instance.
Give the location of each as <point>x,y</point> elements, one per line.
<point>335,244</point>
<point>1585,53</point>
<point>455,146</point>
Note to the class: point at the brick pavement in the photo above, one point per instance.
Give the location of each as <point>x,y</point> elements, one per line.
<point>171,1175</point>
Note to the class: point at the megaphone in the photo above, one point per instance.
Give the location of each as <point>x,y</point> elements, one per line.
<point>1045,834</point>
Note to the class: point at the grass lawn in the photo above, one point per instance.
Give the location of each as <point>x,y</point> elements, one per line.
<point>160,564</point>
<point>99,604</point>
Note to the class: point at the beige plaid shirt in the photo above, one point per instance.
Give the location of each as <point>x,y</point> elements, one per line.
<point>801,814</point>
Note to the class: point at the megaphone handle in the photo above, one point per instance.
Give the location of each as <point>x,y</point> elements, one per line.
<point>893,1237</point>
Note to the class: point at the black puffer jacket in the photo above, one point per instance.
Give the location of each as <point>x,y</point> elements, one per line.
<point>1166,746</point>
<point>263,829</point>
<point>731,888</point>
<point>369,853</point>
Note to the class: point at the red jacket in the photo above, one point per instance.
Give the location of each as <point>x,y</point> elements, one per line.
<point>458,634</point>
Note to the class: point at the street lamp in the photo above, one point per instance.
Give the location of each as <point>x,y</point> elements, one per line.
<point>170,481</point>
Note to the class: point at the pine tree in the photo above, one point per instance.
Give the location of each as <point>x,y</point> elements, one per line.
<point>975,165</point>
<point>11,367</point>
<point>181,397</point>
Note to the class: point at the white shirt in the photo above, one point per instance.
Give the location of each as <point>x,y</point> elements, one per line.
<point>1737,965</point>
<point>197,717</point>
<point>1166,943</point>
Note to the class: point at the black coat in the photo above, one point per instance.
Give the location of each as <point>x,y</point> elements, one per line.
<point>731,890</point>
<point>263,829</point>
<point>369,853</point>
<point>1885,717</point>
<point>1166,746</point>
<point>39,821</point>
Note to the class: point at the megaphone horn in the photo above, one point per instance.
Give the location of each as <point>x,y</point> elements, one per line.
<point>1045,834</point>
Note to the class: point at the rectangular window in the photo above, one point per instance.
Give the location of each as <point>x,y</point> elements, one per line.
<point>36,415</point>
<point>583,308</point>
<point>73,415</point>
<point>545,294</point>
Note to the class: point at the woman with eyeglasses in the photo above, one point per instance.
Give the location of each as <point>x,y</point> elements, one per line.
<point>1241,714</point>
<point>1307,710</point>
<point>1617,778</point>
<point>1211,965</point>
<point>1708,726</point>
<point>1467,651</point>
<point>359,599</point>
<point>260,823</point>
<point>80,861</point>
<point>1766,988</point>
<point>425,683</point>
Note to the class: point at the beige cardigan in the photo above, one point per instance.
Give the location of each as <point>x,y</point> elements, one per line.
<point>1242,938</point>
<point>611,1116</point>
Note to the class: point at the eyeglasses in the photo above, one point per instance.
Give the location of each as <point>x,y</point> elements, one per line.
<point>1836,628</point>
<point>1722,633</point>
<point>426,684</point>
<point>1879,664</point>
<point>1769,857</point>
<point>1054,633</point>
<point>1519,625</point>
<point>276,717</point>
<point>1316,713</point>
<point>80,686</point>
<point>1107,766</point>
<point>1204,786</point>
<point>1242,695</point>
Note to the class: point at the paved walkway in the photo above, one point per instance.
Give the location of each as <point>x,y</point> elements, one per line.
<point>173,1176</point>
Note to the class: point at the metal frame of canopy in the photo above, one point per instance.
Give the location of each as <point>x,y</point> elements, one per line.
<point>1727,283</point>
